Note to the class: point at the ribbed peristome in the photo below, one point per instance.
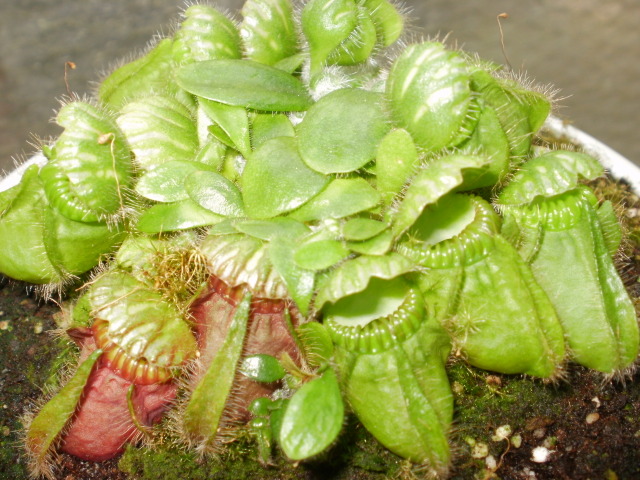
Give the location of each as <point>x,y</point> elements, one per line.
<point>471,245</point>
<point>382,333</point>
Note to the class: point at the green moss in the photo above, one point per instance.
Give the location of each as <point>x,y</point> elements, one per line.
<point>356,455</point>
<point>485,401</point>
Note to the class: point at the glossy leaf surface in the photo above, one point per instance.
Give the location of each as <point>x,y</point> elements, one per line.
<point>244,83</point>
<point>313,417</point>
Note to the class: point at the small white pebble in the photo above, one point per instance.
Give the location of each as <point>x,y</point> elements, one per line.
<point>539,432</point>
<point>516,440</point>
<point>491,463</point>
<point>480,450</point>
<point>592,418</point>
<point>596,400</point>
<point>540,454</point>
<point>502,433</point>
<point>457,387</point>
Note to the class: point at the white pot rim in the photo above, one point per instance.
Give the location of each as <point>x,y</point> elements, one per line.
<point>617,165</point>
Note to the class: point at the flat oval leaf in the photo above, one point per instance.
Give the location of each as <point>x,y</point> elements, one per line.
<point>212,191</point>
<point>378,245</point>
<point>396,159</point>
<point>358,228</point>
<point>299,281</point>
<point>266,126</point>
<point>270,229</point>
<point>246,84</point>
<point>165,183</point>
<point>341,198</point>
<point>262,368</point>
<point>313,419</point>
<point>320,254</point>
<point>276,180</point>
<point>170,217</point>
<point>342,131</point>
<point>233,120</point>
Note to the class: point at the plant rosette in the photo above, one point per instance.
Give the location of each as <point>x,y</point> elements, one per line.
<point>285,220</point>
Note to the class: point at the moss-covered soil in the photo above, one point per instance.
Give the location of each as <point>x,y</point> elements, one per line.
<point>582,427</point>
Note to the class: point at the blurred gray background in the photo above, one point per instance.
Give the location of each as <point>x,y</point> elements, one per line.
<point>589,49</point>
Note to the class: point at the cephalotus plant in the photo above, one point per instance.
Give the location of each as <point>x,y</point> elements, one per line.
<point>280,220</point>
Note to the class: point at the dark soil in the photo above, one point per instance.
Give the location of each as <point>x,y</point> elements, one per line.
<point>590,427</point>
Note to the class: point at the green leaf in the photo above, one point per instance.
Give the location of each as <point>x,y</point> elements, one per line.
<point>170,217</point>
<point>270,229</point>
<point>299,282</point>
<point>378,245</point>
<point>276,180</point>
<point>360,228</point>
<point>165,183</point>
<point>321,254</point>
<point>266,126</point>
<point>233,120</point>
<point>212,191</point>
<point>262,368</point>
<point>246,84</point>
<point>341,198</point>
<point>342,131</point>
<point>396,160</point>
<point>313,419</point>
<point>212,153</point>
<point>292,63</point>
